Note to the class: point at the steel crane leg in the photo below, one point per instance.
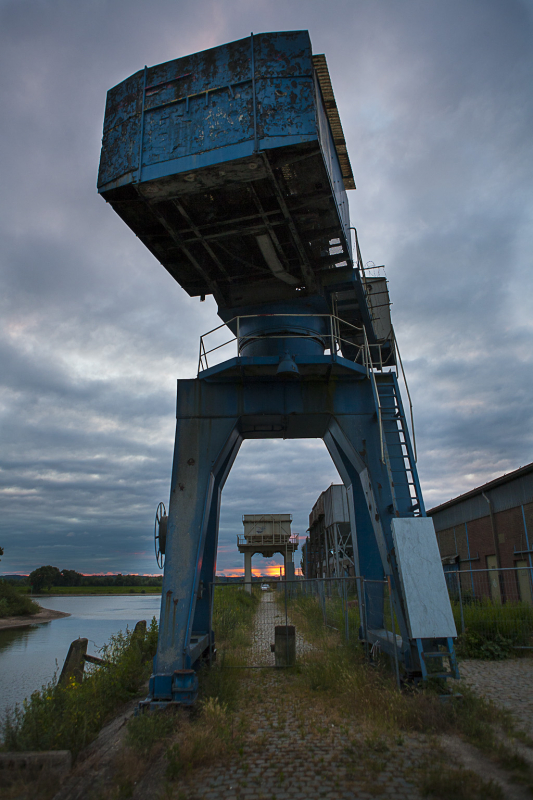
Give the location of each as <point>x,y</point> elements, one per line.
<point>213,419</point>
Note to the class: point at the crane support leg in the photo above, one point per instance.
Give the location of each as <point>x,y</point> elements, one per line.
<point>213,418</point>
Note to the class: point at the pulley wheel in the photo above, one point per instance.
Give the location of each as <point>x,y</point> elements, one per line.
<point>160,534</point>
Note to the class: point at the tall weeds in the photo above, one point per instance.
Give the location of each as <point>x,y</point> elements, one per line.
<point>68,717</point>
<point>493,630</point>
<point>233,613</point>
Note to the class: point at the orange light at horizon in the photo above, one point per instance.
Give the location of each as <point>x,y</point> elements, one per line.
<point>238,572</point>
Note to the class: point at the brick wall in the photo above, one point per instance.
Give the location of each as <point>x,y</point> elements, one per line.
<point>477,535</point>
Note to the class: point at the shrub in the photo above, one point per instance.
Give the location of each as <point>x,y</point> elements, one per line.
<point>15,604</point>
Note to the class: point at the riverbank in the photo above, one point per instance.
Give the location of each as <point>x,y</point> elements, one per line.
<point>80,591</point>
<point>45,615</point>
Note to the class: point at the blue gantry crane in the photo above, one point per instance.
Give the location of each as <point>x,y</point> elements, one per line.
<point>231,166</point>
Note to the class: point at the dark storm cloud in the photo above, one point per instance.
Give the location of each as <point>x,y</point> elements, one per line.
<point>436,105</point>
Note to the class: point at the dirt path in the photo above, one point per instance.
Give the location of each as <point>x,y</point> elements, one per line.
<point>22,622</point>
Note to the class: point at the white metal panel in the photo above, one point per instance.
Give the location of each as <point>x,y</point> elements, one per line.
<point>429,613</point>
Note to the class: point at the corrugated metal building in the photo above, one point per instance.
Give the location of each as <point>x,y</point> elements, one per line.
<point>328,550</point>
<point>491,527</point>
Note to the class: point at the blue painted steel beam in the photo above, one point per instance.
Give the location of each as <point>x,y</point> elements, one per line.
<point>213,418</point>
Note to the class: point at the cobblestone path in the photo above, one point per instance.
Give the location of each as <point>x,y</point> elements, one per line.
<point>291,754</point>
<point>507,683</point>
<point>269,614</point>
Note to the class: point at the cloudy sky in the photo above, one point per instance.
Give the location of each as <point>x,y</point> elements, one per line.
<point>437,106</point>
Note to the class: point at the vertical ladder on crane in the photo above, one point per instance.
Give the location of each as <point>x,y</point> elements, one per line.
<point>401,457</point>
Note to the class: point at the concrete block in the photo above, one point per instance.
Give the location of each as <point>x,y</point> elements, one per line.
<point>285,645</point>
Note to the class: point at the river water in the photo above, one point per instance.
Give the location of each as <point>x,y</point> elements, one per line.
<point>30,656</point>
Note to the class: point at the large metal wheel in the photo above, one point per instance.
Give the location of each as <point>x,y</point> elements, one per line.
<point>160,534</point>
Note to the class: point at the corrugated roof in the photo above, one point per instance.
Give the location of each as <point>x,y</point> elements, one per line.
<point>322,72</point>
<point>510,476</point>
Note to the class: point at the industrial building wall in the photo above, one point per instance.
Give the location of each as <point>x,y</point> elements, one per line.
<point>478,540</point>
<point>473,541</point>
<point>505,494</point>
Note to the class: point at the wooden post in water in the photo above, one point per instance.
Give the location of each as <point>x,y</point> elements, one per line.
<point>74,662</point>
<point>140,628</point>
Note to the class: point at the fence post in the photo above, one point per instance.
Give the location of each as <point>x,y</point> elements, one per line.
<point>362,613</point>
<point>461,603</point>
<point>393,626</point>
<point>323,600</point>
<point>345,598</point>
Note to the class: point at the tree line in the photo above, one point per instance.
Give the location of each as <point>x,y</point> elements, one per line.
<point>45,577</point>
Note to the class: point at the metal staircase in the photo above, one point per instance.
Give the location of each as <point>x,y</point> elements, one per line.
<point>442,650</point>
<point>399,448</point>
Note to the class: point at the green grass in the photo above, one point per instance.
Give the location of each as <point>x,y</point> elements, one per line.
<point>493,630</point>
<point>233,613</point>
<point>192,738</point>
<point>68,717</point>
<point>233,618</point>
<point>15,604</point>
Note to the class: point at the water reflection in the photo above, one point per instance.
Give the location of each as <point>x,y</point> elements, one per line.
<point>30,656</point>
<point>20,636</point>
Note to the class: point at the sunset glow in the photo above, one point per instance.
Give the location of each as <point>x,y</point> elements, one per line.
<point>267,572</point>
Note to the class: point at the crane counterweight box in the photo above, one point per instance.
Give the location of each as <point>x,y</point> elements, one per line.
<point>231,166</point>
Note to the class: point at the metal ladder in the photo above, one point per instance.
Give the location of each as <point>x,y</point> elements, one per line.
<point>401,458</point>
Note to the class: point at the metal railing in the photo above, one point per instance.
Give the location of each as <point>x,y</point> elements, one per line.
<point>332,336</point>
<point>400,362</point>
<point>370,356</point>
<point>244,539</point>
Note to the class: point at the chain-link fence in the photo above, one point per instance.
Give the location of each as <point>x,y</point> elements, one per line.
<point>245,619</point>
<point>280,621</point>
<point>493,608</point>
